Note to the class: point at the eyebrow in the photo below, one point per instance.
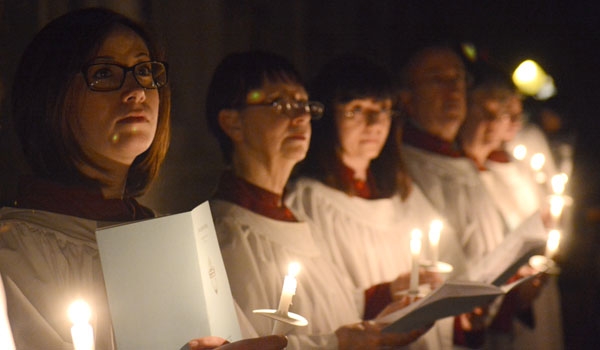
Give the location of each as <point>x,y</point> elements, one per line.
<point>112,58</point>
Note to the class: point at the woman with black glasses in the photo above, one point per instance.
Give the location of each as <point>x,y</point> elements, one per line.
<point>91,105</point>
<point>258,109</point>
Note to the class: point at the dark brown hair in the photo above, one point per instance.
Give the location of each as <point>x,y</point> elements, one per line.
<point>234,78</point>
<point>43,98</point>
<point>340,81</point>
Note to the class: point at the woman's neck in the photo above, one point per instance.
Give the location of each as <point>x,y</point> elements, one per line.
<point>271,175</point>
<point>360,166</point>
<point>112,178</point>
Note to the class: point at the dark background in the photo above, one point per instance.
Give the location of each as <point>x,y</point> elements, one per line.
<point>564,37</point>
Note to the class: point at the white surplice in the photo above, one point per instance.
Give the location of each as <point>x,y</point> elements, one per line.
<point>47,261</point>
<point>454,187</point>
<point>257,250</point>
<point>515,193</point>
<point>370,238</point>
<point>517,196</point>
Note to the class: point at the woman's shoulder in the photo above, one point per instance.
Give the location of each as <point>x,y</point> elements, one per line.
<point>18,222</point>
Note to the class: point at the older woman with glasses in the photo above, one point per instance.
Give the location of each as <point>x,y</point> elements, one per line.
<point>91,105</point>
<point>259,110</point>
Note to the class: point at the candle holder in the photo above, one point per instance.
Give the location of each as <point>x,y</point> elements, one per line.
<point>436,266</point>
<point>544,264</point>
<point>422,291</point>
<point>288,318</point>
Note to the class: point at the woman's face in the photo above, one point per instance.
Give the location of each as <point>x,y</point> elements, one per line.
<point>363,126</point>
<point>116,126</point>
<point>270,135</point>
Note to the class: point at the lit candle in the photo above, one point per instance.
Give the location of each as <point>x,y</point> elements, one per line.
<point>552,243</point>
<point>81,332</point>
<point>415,250</point>
<point>559,183</point>
<point>557,203</point>
<point>537,161</point>
<point>520,152</point>
<point>435,229</point>
<point>289,289</point>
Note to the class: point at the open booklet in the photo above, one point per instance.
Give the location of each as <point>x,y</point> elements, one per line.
<point>450,299</point>
<point>480,286</point>
<point>166,281</point>
<point>515,250</point>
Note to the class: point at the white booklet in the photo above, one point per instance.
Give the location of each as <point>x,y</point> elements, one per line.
<point>515,250</point>
<point>166,281</point>
<point>450,299</point>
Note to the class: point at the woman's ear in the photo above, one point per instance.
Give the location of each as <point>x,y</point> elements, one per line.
<point>230,122</point>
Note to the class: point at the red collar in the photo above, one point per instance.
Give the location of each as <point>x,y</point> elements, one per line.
<point>79,201</point>
<point>256,199</point>
<point>499,156</point>
<point>414,136</point>
<point>360,188</point>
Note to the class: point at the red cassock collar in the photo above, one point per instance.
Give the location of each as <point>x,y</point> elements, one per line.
<point>80,201</point>
<point>236,190</point>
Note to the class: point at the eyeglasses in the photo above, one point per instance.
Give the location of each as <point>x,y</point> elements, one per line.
<point>294,109</point>
<point>110,76</point>
<point>360,115</point>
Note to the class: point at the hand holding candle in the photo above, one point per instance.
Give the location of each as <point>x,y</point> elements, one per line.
<point>289,288</point>
<point>415,250</point>
<point>82,332</point>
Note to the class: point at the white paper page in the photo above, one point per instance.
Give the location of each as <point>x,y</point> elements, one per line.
<point>154,275</point>
<point>516,248</point>
<point>452,298</point>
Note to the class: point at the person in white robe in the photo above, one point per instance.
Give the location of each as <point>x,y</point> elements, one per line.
<point>353,188</point>
<point>259,111</point>
<point>94,137</point>
<point>490,113</point>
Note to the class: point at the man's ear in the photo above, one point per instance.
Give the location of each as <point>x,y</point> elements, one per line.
<point>231,124</point>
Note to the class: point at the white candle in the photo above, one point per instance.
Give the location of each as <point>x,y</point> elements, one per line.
<point>435,229</point>
<point>81,332</point>
<point>520,152</point>
<point>557,203</point>
<point>415,250</point>
<point>552,243</point>
<point>289,288</point>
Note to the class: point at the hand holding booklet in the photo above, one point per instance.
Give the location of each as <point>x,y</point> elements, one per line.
<point>166,281</point>
<point>450,299</point>
<point>481,285</point>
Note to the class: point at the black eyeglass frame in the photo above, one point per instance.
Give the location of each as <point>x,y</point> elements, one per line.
<point>314,108</point>
<point>132,69</point>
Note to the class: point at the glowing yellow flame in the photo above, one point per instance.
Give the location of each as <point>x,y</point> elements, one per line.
<point>79,312</point>
<point>520,152</point>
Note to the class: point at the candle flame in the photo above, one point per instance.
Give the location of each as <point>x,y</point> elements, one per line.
<point>557,204</point>
<point>434,231</point>
<point>537,161</point>
<point>520,152</point>
<point>559,183</point>
<point>553,242</point>
<point>79,312</point>
<point>293,269</point>
<point>415,241</point>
